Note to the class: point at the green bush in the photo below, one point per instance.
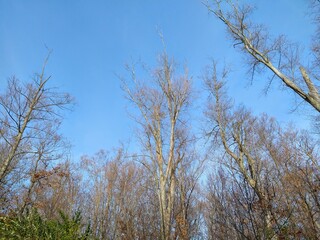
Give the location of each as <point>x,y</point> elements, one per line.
<point>34,227</point>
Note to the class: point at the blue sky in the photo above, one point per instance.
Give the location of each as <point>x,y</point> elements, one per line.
<point>93,40</point>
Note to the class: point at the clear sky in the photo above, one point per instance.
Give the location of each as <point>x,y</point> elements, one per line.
<point>92,40</point>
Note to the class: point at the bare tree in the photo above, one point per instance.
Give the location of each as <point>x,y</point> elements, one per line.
<point>267,187</point>
<point>54,190</point>
<point>49,148</point>
<point>280,56</point>
<point>235,135</point>
<point>164,135</point>
<point>117,197</point>
<point>30,115</point>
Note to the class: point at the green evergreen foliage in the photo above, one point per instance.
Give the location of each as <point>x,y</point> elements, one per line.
<point>34,227</point>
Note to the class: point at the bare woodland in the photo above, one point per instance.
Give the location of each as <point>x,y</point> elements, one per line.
<point>253,178</point>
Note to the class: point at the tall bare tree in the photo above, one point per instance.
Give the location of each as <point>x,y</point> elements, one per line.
<point>30,116</point>
<point>278,55</point>
<point>163,102</point>
<point>251,195</point>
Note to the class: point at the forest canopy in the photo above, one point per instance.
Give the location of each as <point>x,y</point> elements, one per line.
<point>242,175</point>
